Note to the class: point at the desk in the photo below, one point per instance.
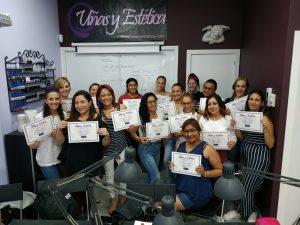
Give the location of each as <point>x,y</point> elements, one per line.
<point>18,160</point>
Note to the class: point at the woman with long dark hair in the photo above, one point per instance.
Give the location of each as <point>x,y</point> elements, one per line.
<point>240,89</point>
<point>49,148</point>
<point>255,153</point>
<point>131,90</point>
<point>149,151</point>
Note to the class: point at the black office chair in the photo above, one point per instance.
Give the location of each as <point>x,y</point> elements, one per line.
<point>12,192</point>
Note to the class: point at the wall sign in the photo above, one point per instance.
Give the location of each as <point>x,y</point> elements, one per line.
<point>117,20</point>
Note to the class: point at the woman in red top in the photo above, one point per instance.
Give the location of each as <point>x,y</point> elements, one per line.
<point>132,91</point>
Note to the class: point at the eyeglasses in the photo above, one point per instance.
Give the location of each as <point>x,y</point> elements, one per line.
<point>192,131</point>
<point>151,102</point>
<point>208,88</point>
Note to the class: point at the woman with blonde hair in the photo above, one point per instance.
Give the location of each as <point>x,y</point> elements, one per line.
<point>64,86</point>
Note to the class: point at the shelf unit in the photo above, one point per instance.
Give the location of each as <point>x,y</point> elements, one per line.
<point>28,75</point>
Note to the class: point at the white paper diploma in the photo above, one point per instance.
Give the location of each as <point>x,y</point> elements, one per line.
<point>123,119</point>
<point>218,140</point>
<point>163,99</point>
<point>79,132</point>
<point>157,130</point>
<point>132,103</point>
<point>202,103</point>
<point>177,121</point>
<point>249,121</point>
<point>185,163</point>
<point>237,105</point>
<point>165,110</point>
<point>38,130</point>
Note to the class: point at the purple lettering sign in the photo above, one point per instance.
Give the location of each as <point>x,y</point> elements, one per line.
<point>117,20</point>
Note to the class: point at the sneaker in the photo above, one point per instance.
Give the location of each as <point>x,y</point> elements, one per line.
<point>231,215</point>
<point>252,217</point>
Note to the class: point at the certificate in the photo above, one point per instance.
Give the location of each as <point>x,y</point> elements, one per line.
<point>185,163</point>
<point>165,110</point>
<point>123,119</point>
<point>177,121</point>
<point>218,140</point>
<point>157,130</point>
<point>249,121</point>
<point>132,103</point>
<point>79,132</point>
<point>237,105</point>
<point>162,99</point>
<point>202,103</point>
<point>38,130</point>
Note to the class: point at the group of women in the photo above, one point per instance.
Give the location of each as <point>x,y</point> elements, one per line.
<point>100,102</point>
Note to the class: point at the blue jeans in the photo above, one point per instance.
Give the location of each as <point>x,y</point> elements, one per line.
<point>50,172</point>
<point>169,148</point>
<point>149,154</point>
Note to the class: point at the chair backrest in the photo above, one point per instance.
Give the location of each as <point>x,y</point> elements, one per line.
<point>11,192</point>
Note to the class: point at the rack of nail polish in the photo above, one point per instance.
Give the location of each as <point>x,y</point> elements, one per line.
<point>28,75</point>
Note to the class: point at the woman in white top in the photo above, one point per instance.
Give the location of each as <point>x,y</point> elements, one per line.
<point>49,148</point>
<point>149,151</point>
<point>170,143</point>
<point>188,106</point>
<point>64,86</point>
<point>215,120</point>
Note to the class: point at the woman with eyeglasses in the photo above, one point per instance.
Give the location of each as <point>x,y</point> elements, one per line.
<point>188,105</point>
<point>209,88</point>
<point>149,151</point>
<point>194,192</point>
<point>216,120</point>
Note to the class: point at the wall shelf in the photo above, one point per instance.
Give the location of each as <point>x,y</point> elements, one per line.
<point>27,76</point>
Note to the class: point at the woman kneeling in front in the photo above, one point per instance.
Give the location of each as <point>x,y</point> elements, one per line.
<point>194,192</point>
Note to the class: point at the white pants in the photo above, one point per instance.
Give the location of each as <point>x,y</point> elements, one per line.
<point>110,172</point>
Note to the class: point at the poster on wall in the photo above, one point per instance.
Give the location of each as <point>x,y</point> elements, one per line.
<point>117,20</point>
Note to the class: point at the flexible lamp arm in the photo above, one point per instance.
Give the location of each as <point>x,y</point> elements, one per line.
<point>116,189</point>
<point>272,176</point>
<point>82,173</point>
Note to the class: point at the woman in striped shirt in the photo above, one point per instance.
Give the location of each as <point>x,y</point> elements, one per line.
<point>255,153</point>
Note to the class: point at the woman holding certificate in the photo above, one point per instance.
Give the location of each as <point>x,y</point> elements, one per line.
<point>149,150</point>
<point>63,85</point>
<point>194,191</point>
<point>255,153</point>
<point>216,125</point>
<point>177,93</point>
<point>240,89</point>
<point>49,148</point>
<point>118,139</point>
<point>131,91</point>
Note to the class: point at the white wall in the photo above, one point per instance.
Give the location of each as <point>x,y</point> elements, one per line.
<point>35,26</point>
<point>289,197</point>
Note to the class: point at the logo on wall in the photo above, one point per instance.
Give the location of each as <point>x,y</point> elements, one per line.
<point>117,20</point>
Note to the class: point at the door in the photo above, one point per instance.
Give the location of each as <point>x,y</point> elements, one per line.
<point>221,65</point>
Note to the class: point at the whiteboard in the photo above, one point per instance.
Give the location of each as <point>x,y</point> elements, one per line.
<point>221,65</point>
<point>114,69</point>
